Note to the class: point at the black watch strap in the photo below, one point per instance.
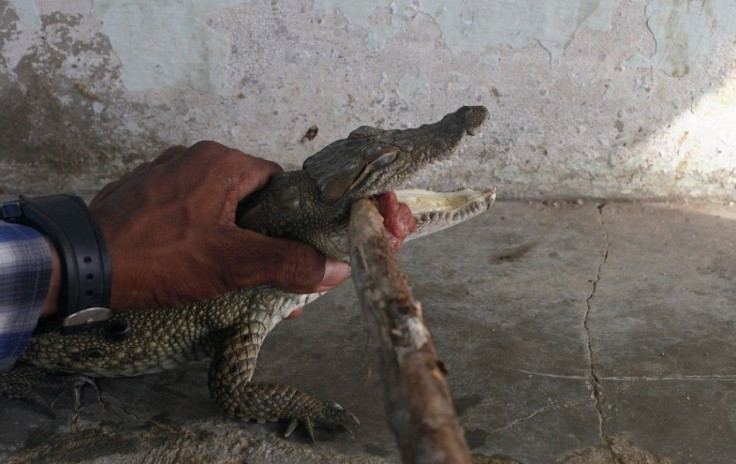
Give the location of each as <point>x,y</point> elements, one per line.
<point>84,297</point>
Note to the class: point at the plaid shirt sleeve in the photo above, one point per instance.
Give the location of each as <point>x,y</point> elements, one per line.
<point>25,274</point>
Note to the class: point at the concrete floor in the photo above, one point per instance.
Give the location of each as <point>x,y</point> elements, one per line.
<point>574,333</point>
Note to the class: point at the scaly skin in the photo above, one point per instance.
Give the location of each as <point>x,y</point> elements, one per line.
<point>312,205</point>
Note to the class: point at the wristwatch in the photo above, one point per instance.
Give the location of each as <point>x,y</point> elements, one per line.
<point>84,296</point>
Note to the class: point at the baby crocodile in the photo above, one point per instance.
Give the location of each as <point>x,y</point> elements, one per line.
<point>313,205</point>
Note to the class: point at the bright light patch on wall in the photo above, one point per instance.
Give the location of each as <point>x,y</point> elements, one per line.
<point>713,123</point>
<point>699,144</point>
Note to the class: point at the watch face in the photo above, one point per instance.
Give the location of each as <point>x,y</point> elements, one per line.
<point>91,318</point>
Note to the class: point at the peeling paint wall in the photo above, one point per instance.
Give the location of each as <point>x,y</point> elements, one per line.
<point>623,99</point>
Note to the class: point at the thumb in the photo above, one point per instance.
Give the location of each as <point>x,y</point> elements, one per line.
<point>288,265</point>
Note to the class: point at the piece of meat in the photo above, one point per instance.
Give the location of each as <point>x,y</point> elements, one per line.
<point>397,218</point>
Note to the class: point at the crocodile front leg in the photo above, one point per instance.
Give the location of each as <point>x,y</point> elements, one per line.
<point>24,382</point>
<point>230,373</point>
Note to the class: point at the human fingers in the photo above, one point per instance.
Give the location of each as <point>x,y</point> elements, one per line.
<point>296,313</point>
<point>335,274</point>
<point>219,176</point>
<point>250,258</point>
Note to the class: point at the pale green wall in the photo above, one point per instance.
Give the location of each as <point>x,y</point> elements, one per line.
<point>632,99</point>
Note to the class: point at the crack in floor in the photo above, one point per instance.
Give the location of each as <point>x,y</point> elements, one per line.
<point>593,378</point>
<point>637,378</point>
<point>533,414</point>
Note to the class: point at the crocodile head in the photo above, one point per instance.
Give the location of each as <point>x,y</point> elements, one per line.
<point>372,161</point>
<point>313,204</point>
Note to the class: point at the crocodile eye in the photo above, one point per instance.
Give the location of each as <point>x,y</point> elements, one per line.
<point>383,161</point>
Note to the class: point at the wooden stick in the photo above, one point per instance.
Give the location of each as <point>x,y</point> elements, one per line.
<point>416,396</point>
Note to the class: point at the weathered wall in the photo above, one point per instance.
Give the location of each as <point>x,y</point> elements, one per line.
<point>589,98</point>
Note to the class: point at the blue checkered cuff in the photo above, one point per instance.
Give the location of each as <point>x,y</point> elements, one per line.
<point>25,274</point>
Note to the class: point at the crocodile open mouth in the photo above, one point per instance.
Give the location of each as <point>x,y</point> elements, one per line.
<point>412,213</point>
<point>433,211</point>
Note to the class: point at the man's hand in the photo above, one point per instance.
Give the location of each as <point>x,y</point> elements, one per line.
<point>171,234</point>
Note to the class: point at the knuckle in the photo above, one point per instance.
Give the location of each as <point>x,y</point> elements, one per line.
<point>206,146</point>
<point>271,165</point>
<point>234,158</point>
<point>234,153</point>
<point>169,154</point>
<point>263,166</point>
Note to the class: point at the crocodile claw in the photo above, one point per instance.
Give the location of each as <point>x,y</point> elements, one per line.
<point>290,428</point>
<point>24,382</point>
<point>310,429</point>
<point>337,418</point>
<point>331,416</point>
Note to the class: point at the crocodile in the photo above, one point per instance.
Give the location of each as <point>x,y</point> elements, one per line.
<point>313,205</point>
